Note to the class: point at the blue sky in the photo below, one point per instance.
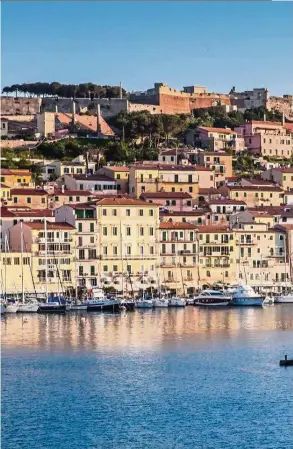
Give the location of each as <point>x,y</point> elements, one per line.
<point>216,44</point>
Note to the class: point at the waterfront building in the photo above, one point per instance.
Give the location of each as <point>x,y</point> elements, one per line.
<point>118,173</point>
<point>216,254</point>
<point>178,257</point>
<point>196,216</point>
<point>57,197</point>
<point>222,208</point>
<point>77,166</point>
<point>254,195</point>
<point>59,255</point>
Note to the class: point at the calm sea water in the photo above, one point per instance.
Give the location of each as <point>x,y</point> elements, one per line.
<point>188,378</point>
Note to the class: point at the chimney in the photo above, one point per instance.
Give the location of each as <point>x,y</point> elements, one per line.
<point>99,120</point>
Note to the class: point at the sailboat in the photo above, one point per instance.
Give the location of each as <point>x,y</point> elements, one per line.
<point>176,301</point>
<point>53,304</point>
<point>160,301</point>
<point>11,306</point>
<point>144,302</point>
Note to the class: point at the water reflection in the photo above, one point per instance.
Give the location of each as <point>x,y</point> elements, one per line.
<point>140,329</point>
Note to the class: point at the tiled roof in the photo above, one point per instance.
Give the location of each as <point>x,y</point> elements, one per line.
<point>29,192</point>
<point>217,130</point>
<point>72,193</point>
<point>121,168</point>
<point>123,202</point>
<point>176,225</point>
<point>210,228</point>
<point>265,124</point>
<point>190,213</point>
<point>161,166</point>
<point>166,195</point>
<point>285,169</point>
<point>4,186</point>
<point>226,201</point>
<point>208,191</point>
<point>9,212</point>
<point>215,153</point>
<point>256,188</point>
<point>256,182</point>
<point>41,225</point>
<point>289,127</point>
<point>7,171</point>
<point>84,177</point>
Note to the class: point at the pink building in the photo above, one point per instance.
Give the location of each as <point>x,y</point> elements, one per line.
<point>216,139</point>
<point>267,138</point>
<point>174,201</point>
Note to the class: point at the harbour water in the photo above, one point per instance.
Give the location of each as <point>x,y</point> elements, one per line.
<point>193,378</point>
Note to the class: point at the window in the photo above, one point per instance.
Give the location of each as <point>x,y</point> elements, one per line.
<point>190,189</point>
<point>81,187</point>
<point>151,213</point>
<point>79,241</point>
<point>141,250</point>
<point>15,199</point>
<point>128,250</point>
<point>79,227</point>
<point>80,271</point>
<point>56,198</point>
<point>92,239</point>
<point>128,230</point>
<point>28,200</point>
<point>189,178</point>
<point>141,212</point>
<point>43,200</point>
<point>118,176</point>
<point>188,203</point>
<point>77,199</point>
<point>104,212</point>
<point>105,250</point>
<point>115,230</point>
<point>129,268</point>
<point>141,231</point>
<point>115,267</point>
<point>19,180</point>
<point>151,250</point>
<point>92,227</point>
<point>115,252</point>
<point>26,261</point>
<point>163,248</point>
<point>173,202</point>
<point>71,198</point>
<point>92,270</point>
<point>114,212</point>
<point>105,268</point>
<point>81,254</point>
<point>151,231</point>
<point>211,178</point>
<point>164,236</point>
<point>105,232</point>
<point>175,178</point>
<point>128,212</point>
<point>92,254</point>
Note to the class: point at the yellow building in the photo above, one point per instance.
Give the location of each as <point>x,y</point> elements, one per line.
<point>14,267</point>
<point>15,178</point>
<point>5,192</point>
<point>156,177</point>
<point>60,253</point>
<point>254,195</point>
<point>217,255</point>
<point>118,173</point>
<point>178,257</point>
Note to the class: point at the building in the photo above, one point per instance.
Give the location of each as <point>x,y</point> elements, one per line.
<point>254,195</point>
<point>150,177</point>
<point>214,139</point>
<point>58,197</point>
<point>219,162</point>
<point>16,178</point>
<point>77,166</point>
<point>178,257</point>
<point>270,139</point>
<point>10,216</point>
<point>283,176</point>
<point>172,101</point>
<point>173,201</point>
<point>118,173</point>
<point>222,208</point>
<point>197,217</point>
<point>216,255</point>
<point>123,232</point>
<point>57,255</point>
<point>28,197</point>
<point>94,183</point>
<point>5,192</point>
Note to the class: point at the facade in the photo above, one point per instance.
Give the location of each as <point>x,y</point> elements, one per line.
<point>219,162</point>
<point>15,178</point>
<point>283,176</point>
<point>178,257</point>
<point>215,139</point>
<point>5,192</point>
<point>60,254</point>
<point>32,198</point>
<point>254,195</point>
<point>94,183</point>
<point>221,210</point>
<point>267,139</point>
<point>173,201</point>
<point>118,173</point>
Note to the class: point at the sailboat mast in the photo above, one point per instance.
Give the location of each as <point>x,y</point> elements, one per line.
<point>121,247</point>
<point>143,273</point>
<point>21,251</point>
<point>46,258</point>
<point>5,266</point>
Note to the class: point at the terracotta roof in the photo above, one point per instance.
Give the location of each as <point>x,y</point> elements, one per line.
<point>256,188</point>
<point>265,124</point>
<point>116,168</point>
<point>72,193</point>
<point>190,213</point>
<point>172,152</point>
<point>30,192</point>
<point>286,227</point>
<point>176,225</point>
<point>9,212</point>
<point>274,210</point>
<point>216,153</point>
<point>7,171</point>
<point>123,202</point>
<point>260,182</point>
<point>285,169</point>
<point>4,186</point>
<point>289,127</point>
<point>226,201</point>
<point>84,177</point>
<point>86,121</point>
<point>165,195</point>
<point>40,225</point>
<point>217,130</point>
<point>161,166</point>
<point>211,228</point>
<point>208,191</point>
<point>263,214</point>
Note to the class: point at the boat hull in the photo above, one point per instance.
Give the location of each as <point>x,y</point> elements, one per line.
<point>144,305</point>
<point>2,309</point>
<point>11,308</point>
<point>104,307</point>
<point>210,303</point>
<point>128,305</point>
<point>284,299</point>
<point>176,303</point>
<point>28,308</point>
<point>52,308</point>
<point>257,301</point>
<point>78,307</point>
<point>160,304</point>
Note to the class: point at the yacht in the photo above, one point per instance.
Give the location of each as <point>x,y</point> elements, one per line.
<point>285,299</point>
<point>177,302</point>
<point>11,306</point>
<point>105,304</point>
<point>212,298</point>
<point>78,305</point>
<point>244,295</point>
<point>160,302</point>
<point>54,304</point>
<point>144,304</point>
<point>31,306</point>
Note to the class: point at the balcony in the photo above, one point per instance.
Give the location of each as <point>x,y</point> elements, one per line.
<point>216,242</point>
<point>216,254</point>
<point>248,242</point>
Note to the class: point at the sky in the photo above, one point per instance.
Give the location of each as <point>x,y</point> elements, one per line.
<point>214,44</point>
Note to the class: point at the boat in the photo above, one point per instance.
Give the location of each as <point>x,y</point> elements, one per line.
<point>127,304</point>
<point>177,302</point>
<point>54,304</point>
<point>160,302</point>
<point>78,305</point>
<point>106,304</point>
<point>269,300</point>
<point>244,295</point>
<point>212,298</point>
<point>2,308</point>
<point>144,304</point>
<point>28,307</point>
<point>11,307</point>
<point>285,299</point>
<point>190,301</point>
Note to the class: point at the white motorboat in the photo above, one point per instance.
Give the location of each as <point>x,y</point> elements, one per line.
<point>144,304</point>
<point>212,298</point>
<point>244,295</point>
<point>190,301</point>
<point>284,299</point>
<point>269,300</point>
<point>177,302</point>
<point>160,302</point>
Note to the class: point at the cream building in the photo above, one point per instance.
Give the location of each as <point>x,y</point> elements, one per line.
<point>254,195</point>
